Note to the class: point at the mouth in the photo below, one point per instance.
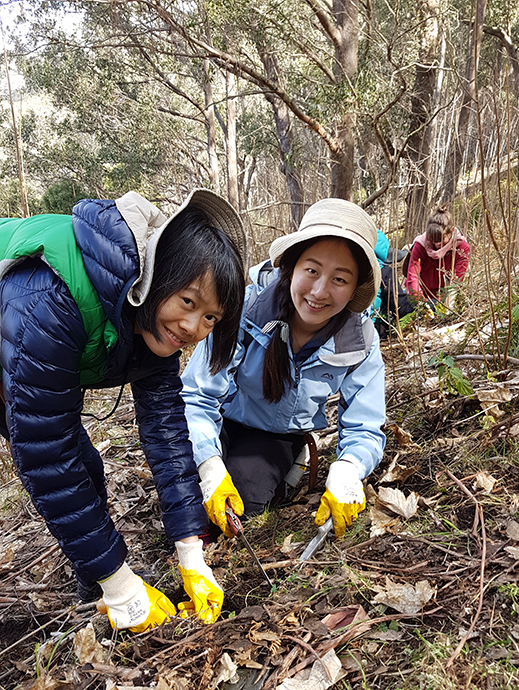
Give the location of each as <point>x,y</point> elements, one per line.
<point>175,339</point>
<point>315,305</point>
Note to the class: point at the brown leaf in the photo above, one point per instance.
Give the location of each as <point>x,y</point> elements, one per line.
<point>344,617</point>
<point>403,437</point>
<point>398,472</point>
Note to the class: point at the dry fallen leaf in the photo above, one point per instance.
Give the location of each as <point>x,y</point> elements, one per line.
<point>512,530</point>
<point>403,437</point>
<point>324,673</point>
<point>397,472</point>
<point>382,522</point>
<point>485,481</point>
<point>404,597</point>
<point>344,617</point>
<point>490,399</point>
<point>8,551</point>
<point>513,551</point>
<point>395,500</point>
<point>227,671</point>
<point>86,647</point>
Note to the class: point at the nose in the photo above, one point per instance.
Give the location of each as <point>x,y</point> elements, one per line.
<point>190,324</point>
<point>320,287</point>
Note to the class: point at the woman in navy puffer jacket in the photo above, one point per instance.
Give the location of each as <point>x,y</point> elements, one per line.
<point>106,297</point>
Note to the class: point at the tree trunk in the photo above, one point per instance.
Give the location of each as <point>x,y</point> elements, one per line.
<point>210,128</point>
<point>285,139</point>
<point>455,157</point>
<point>346,13</point>
<point>232,158</point>
<point>419,147</point>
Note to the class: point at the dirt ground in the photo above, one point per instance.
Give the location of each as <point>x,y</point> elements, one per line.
<point>431,564</point>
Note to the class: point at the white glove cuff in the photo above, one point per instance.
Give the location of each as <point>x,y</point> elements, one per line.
<point>353,461</point>
<point>120,587</point>
<point>212,473</point>
<point>191,557</point>
<point>344,483</point>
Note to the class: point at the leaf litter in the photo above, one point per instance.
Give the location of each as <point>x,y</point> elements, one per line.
<point>358,612</point>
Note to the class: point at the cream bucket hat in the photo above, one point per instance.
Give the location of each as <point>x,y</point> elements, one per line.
<point>338,218</point>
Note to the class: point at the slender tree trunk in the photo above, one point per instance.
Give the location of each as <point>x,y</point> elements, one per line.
<point>211,128</point>
<point>285,138</point>
<point>232,158</point>
<point>24,204</point>
<point>455,158</point>
<point>346,13</point>
<point>419,147</point>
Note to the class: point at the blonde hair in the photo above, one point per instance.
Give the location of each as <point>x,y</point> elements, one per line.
<point>440,222</point>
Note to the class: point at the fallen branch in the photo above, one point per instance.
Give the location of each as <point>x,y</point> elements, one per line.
<point>479,511</point>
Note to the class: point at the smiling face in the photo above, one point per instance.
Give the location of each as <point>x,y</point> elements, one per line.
<point>185,318</point>
<point>323,282</point>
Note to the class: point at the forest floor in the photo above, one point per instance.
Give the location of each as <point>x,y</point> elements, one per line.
<point>421,593</point>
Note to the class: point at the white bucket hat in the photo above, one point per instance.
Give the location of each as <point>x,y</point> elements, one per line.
<point>338,218</point>
<point>148,223</point>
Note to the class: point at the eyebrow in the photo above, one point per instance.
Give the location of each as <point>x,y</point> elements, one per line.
<point>337,268</point>
<point>219,313</point>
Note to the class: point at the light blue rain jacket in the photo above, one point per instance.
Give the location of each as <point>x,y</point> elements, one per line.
<point>339,365</point>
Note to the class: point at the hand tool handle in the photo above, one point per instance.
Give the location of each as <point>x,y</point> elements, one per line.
<point>233,520</point>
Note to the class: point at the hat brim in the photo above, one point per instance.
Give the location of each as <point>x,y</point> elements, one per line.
<point>220,214</point>
<point>364,294</point>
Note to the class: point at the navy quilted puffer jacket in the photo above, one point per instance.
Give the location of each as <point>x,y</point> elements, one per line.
<point>42,338</point>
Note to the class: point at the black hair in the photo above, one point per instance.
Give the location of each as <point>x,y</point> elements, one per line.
<point>276,365</point>
<point>189,248</point>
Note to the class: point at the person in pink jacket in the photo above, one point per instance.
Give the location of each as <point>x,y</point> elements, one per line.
<point>438,256</point>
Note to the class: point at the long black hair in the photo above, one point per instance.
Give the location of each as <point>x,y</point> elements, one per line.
<point>189,248</point>
<point>276,365</point>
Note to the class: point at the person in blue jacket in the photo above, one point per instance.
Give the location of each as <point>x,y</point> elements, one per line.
<point>305,335</point>
<point>107,297</point>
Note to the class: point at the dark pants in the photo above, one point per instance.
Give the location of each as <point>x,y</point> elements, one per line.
<point>258,462</point>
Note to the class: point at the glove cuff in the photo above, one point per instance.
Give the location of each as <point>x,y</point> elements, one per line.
<point>120,587</point>
<point>190,556</point>
<point>212,468</point>
<point>352,460</point>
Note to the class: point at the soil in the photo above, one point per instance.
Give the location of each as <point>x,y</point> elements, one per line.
<point>460,541</point>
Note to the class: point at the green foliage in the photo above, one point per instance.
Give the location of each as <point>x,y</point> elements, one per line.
<point>62,196</point>
<point>450,376</point>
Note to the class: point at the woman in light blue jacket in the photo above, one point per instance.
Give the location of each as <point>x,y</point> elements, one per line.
<point>305,335</point>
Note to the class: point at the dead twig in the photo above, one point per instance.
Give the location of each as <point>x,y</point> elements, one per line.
<point>479,511</point>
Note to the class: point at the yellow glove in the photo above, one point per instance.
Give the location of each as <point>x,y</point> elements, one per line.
<point>131,603</point>
<point>217,489</point>
<point>344,497</point>
<point>205,594</point>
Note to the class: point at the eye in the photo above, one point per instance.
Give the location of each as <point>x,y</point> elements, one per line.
<point>187,301</point>
<point>213,320</point>
<point>340,280</point>
<point>312,271</point>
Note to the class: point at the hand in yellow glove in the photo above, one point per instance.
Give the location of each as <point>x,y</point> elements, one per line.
<point>217,489</point>
<point>131,603</point>
<point>205,594</point>
<point>344,497</point>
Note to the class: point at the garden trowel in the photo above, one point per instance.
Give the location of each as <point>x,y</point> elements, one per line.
<point>316,542</point>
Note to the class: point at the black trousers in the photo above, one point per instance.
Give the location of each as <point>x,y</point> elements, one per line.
<point>258,462</point>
